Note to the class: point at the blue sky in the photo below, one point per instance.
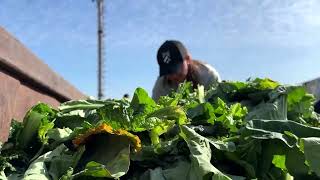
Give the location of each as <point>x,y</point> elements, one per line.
<point>279,39</point>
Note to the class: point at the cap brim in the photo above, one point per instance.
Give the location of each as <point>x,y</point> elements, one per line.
<point>170,69</point>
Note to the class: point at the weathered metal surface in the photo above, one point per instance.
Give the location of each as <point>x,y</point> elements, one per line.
<point>8,89</point>
<point>313,87</point>
<point>14,55</point>
<point>24,81</point>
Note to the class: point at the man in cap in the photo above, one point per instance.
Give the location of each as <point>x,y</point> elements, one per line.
<point>177,66</point>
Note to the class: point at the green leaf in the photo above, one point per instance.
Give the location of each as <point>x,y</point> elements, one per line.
<point>236,177</point>
<point>61,163</point>
<point>3,176</point>
<point>200,92</point>
<point>184,96</point>
<point>15,130</point>
<point>53,164</point>
<point>295,163</point>
<point>117,114</point>
<point>151,153</point>
<point>200,155</point>
<point>230,118</point>
<point>279,161</point>
<point>280,126</point>
<point>178,169</point>
<point>159,130</point>
<point>202,113</point>
<point>300,106</point>
<point>106,155</point>
<point>237,111</point>
<point>160,121</point>
<point>274,109</point>
<point>38,169</point>
<point>170,113</point>
<point>142,102</point>
<point>229,87</point>
<point>115,168</point>
<point>160,117</point>
<point>311,152</point>
<point>249,168</point>
<point>45,126</point>
<point>231,91</point>
<point>153,174</point>
<point>266,83</point>
<point>67,175</point>
<point>81,105</point>
<point>75,118</point>
<point>58,134</point>
<point>227,136</point>
<point>221,145</point>
<point>37,120</point>
<point>288,132</point>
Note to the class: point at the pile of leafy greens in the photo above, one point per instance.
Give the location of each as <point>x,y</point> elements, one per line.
<point>256,129</point>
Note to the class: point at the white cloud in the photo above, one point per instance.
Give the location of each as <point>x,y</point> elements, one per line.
<point>283,23</point>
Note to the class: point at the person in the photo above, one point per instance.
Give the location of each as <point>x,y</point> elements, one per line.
<point>176,66</point>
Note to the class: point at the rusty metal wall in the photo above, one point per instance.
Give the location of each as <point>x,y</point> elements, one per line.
<point>24,81</point>
<point>313,87</point>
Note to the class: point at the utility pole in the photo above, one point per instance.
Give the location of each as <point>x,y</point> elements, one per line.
<point>101,48</point>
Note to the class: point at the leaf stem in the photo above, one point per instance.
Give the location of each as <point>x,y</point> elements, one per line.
<point>38,154</point>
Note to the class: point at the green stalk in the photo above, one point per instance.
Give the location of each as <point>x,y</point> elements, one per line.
<point>37,154</point>
<point>31,125</point>
<point>233,138</point>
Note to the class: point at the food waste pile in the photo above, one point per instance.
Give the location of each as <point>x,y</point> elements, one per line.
<point>257,129</point>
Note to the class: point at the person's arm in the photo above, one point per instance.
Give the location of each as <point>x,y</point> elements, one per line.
<point>209,76</point>
<point>162,88</point>
<point>214,73</point>
<point>157,90</point>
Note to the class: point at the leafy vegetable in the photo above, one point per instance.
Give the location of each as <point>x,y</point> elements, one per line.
<point>200,155</point>
<point>258,129</point>
<point>311,148</point>
<point>36,122</point>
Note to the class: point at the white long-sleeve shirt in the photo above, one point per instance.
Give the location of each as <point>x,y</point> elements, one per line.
<point>206,76</point>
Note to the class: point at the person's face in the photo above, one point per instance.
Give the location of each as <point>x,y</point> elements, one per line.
<point>181,75</point>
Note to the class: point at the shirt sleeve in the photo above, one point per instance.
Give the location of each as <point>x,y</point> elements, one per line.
<point>210,76</point>
<point>157,90</point>
<point>161,88</point>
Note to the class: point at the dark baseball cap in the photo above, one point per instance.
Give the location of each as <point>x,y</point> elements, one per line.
<point>170,57</point>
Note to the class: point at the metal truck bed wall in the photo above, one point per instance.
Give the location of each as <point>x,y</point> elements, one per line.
<point>24,81</point>
<point>313,87</point>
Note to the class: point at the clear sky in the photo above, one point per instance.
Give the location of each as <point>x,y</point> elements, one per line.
<point>279,39</point>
